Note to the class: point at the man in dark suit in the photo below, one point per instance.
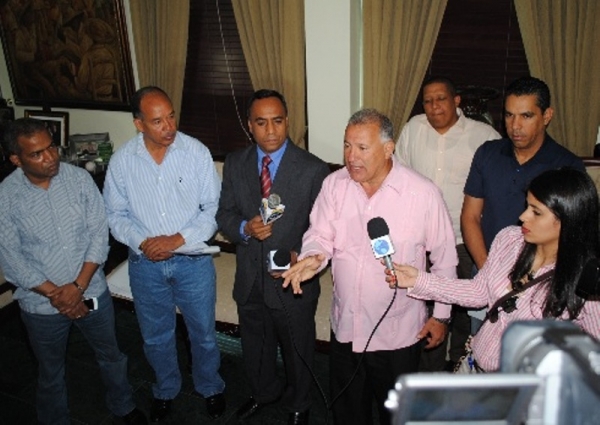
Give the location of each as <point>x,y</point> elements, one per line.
<point>269,315</point>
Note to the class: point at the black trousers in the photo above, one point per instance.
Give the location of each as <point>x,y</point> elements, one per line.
<point>378,371</point>
<point>263,330</point>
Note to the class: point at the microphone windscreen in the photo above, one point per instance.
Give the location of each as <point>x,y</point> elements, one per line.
<point>282,258</point>
<point>273,201</point>
<point>377,227</point>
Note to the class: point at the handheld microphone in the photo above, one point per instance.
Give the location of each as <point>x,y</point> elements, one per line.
<point>382,246</point>
<point>271,208</point>
<point>279,260</point>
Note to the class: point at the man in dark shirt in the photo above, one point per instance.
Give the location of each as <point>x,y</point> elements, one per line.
<point>501,170</point>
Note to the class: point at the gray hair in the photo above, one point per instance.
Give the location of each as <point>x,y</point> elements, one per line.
<point>373,116</point>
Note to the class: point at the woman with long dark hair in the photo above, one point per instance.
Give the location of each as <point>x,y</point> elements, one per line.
<point>559,234</point>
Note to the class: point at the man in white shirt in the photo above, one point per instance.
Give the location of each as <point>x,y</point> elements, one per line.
<point>161,194</point>
<point>440,144</point>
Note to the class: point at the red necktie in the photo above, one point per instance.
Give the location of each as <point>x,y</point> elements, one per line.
<point>265,177</point>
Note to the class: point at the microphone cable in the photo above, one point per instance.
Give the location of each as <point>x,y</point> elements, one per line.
<point>293,341</point>
<point>329,406</point>
<point>362,356</point>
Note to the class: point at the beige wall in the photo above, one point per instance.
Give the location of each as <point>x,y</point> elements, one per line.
<point>333,72</point>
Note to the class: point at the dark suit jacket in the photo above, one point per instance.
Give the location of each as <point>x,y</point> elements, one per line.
<point>298,182</point>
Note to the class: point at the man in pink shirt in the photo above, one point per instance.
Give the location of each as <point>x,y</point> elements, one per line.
<point>367,316</point>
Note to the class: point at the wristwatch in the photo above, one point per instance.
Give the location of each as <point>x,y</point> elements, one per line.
<point>443,321</point>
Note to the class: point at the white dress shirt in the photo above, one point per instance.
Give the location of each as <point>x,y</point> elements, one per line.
<point>444,158</point>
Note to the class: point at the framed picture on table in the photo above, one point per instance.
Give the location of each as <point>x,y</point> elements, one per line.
<point>57,124</point>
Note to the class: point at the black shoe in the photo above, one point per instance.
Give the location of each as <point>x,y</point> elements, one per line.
<point>160,408</point>
<point>215,405</point>
<point>298,418</point>
<point>248,408</point>
<point>135,417</point>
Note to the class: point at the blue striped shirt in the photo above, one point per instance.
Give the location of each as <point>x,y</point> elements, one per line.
<point>145,199</point>
<point>49,234</point>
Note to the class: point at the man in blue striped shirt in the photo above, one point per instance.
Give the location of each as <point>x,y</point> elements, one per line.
<point>53,240</point>
<point>161,194</point>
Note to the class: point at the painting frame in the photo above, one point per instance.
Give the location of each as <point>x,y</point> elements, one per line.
<point>68,54</point>
<point>57,124</point>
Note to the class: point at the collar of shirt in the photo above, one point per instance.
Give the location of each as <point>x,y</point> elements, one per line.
<point>461,122</point>
<point>452,137</point>
<point>142,150</point>
<point>24,180</point>
<point>540,155</point>
<point>394,179</point>
<point>458,125</point>
<point>275,159</point>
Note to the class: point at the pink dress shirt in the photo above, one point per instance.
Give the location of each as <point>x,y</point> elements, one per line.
<point>419,222</point>
<point>490,284</point>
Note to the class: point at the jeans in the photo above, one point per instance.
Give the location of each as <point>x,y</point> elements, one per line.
<point>48,335</point>
<point>186,282</point>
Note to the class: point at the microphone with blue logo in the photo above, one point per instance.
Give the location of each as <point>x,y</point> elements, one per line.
<point>382,246</point>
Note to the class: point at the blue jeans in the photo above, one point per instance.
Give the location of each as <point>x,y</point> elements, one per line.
<point>48,335</point>
<point>186,282</point>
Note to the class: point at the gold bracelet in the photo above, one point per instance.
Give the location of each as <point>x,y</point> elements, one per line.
<point>78,286</point>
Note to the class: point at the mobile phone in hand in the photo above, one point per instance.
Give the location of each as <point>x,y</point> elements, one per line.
<point>91,303</point>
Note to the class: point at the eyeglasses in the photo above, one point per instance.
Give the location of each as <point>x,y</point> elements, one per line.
<point>508,306</point>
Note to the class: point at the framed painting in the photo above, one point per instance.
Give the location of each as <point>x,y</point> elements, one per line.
<point>57,124</point>
<point>68,53</point>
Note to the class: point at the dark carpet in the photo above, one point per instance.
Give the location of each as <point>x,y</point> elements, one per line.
<point>18,370</point>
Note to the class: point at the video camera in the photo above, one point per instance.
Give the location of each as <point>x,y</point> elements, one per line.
<point>549,375</point>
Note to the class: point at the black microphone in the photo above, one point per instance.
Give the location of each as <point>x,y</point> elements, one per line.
<point>279,260</point>
<point>379,232</point>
